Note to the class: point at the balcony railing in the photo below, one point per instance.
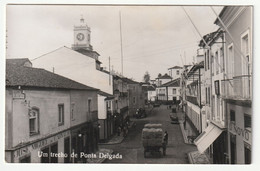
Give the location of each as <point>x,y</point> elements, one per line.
<point>192,99</point>
<point>161,94</point>
<point>240,87</point>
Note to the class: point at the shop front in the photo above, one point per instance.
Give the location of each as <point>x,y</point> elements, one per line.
<point>50,149</point>
<point>84,139</point>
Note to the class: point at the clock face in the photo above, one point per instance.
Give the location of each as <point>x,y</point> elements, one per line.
<point>80,36</point>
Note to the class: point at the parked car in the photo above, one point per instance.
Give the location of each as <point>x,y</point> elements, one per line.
<point>156,104</point>
<point>140,113</point>
<point>174,119</point>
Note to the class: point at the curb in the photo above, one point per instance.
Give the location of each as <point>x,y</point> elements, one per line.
<point>184,134</point>
<point>119,140</point>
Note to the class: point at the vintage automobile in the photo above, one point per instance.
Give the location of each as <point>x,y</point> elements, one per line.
<point>140,113</point>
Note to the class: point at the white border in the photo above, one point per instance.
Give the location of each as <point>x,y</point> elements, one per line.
<point>256,118</point>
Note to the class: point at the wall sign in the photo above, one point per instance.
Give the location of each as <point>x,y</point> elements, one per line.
<point>18,94</point>
<point>39,144</point>
<point>240,131</point>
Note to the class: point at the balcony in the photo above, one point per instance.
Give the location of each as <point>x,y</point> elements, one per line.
<point>161,94</point>
<point>193,100</point>
<point>238,88</point>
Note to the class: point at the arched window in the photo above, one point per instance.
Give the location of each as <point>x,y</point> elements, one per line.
<point>34,121</point>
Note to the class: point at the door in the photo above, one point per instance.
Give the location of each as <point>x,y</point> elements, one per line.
<point>233,149</point>
<point>54,150</point>
<point>67,150</point>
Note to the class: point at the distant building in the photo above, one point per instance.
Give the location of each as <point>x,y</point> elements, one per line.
<point>121,101</point>
<point>175,71</point>
<point>106,114</point>
<point>169,92</point>
<point>47,113</point>
<point>163,79</point>
<point>151,93</point>
<point>136,97</point>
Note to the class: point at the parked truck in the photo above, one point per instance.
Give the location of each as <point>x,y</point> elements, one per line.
<point>152,139</point>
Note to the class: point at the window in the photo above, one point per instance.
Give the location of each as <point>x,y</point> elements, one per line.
<point>232,115</point>
<point>206,90</point>
<point>61,114</point>
<point>174,91</point>
<point>89,106</point>
<point>213,107</point>
<point>216,62</point>
<point>247,121</point>
<point>72,111</point>
<point>46,154</point>
<point>34,121</point>
<point>218,108</point>
<point>212,65</point>
<point>177,72</point>
<point>230,61</point>
<point>208,52</point>
<point>221,57</point>
<point>205,55</point>
<point>109,105</point>
<point>134,100</point>
<point>246,62</point>
<point>222,109</point>
<point>209,94</point>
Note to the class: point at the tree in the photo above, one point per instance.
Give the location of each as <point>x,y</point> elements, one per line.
<point>159,75</point>
<point>146,77</point>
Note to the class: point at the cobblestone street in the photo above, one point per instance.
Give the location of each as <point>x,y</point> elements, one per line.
<point>132,150</point>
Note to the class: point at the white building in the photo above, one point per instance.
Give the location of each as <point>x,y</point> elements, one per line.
<point>175,72</point>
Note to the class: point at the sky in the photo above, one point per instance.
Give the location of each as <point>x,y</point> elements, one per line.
<point>154,38</point>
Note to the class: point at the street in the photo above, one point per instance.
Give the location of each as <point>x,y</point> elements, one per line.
<point>132,150</point>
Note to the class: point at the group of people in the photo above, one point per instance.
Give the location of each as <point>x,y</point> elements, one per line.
<point>123,129</point>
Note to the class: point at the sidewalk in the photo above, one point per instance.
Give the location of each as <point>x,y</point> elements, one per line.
<point>195,157</point>
<point>99,159</point>
<point>117,139</point>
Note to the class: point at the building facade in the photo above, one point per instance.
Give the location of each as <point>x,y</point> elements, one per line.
<point>160,80</point>
<point>169,92</point>
<point>194,101</point>
<point>48,117</point>
<point>228,59</point>
<point>237,86</point>
<point>175,72</point>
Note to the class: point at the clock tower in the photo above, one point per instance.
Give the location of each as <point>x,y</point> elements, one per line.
<point>82,36</point>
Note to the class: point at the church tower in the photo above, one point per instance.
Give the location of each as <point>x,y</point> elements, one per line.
<point>82,36</point>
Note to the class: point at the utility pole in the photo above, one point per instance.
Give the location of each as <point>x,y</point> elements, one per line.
<point>121,40</point>
<point>109,71</point>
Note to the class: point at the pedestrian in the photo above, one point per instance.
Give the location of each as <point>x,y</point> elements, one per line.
<point>165,137</point>
<point>164,148</point>
<point>119,131</point>
<point>124,131</point>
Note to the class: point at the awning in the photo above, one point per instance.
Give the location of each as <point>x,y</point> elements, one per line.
<point>207,137</point>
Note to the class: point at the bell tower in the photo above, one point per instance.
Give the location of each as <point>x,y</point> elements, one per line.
<point>82,36</point>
